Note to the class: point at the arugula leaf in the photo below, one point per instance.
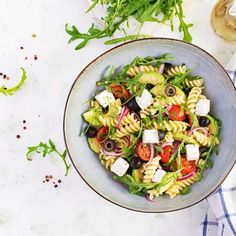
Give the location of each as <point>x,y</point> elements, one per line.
<point>159,149</point>
<point>46,149</point>
<point>208,163</point>
<point>119,12</point>
<point>126,38</point>
<point>10,91</point>
<point>185,190</point>
<point>183,27</point>
<point>136,188</point>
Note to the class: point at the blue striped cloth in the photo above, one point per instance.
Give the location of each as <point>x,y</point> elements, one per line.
<point>220,219</point>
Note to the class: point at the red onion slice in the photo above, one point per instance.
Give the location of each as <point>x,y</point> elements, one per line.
<point>176,146</point>
<point>186,176</point>
<point>161,68</point>
<point>136,116</point>
<point>148,197</point>
<point>166,144</point>
<point>115,154</point>
<point>152,153</point>
<point>127,140</point>
<point>203,129</point>
<point>169,107</point>
<point>124,112</point>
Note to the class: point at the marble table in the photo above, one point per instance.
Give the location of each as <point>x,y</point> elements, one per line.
<point>27,205</point>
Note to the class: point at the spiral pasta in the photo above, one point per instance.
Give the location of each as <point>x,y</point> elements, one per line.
<point>169,138</point>
<point>108,121</point>
<point>194,83</point>
<point>175,126</point>
<point>201,162</point>
<point>201,97</point>
<point>151,110</point>
<point>176,70</point>
<point>153,193</point>
<point>128,126</point>
<point>202,139</point>
<point>143,168</point>
<point>176,100</point>
<point>151,169</point>
<point>140,69</point>
<point>94,104</point>
<point>180,185</point>
<point>193,98</point>
<point>107,161</point>
<point>154,125</point>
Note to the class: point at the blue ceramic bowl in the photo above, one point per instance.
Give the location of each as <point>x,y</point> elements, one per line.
<point>219,88</point>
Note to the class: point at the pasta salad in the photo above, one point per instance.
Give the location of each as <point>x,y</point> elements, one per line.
<point>152,127</point>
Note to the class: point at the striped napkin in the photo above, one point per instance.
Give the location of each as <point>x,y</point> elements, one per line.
<point>220,219</point>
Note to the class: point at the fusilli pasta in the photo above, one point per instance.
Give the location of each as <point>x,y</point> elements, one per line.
<point>194,83</point>
<point>176,70</point>
<point>169,138</point>
<point>193,98</point>
<point>153,193</point>
<point>140,69</point>
<point>107,161</point>
<point>151,169</point>
<point>202,139</point>
<point>128,125</point>
<point>151,110</point>
<point>176,100</point>
<point>108,121</point>
<point>175,126</point>
<point>180,185</point>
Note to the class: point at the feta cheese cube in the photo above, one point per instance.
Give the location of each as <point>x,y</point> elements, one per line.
<point>104,98</point>
<point>150,136</point>
<point>145,100</point>
<point>120,166</point>
<point>159,174</point>
<point>192,152</point>
<point>202,107</point>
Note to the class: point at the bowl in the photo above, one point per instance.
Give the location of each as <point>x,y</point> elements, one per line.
<point>219,88</point>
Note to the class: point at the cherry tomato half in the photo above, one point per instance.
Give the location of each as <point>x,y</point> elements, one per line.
<point>120,92</point>
<point>102,134</point>
<point>176,113</point>
<point>143,151</point>
<point>187,166</point>
<point>165,155</point>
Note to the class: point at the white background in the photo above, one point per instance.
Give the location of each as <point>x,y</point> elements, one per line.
<point>28,206</point>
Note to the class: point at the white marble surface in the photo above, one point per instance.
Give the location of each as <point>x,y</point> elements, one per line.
<point>27,206</point>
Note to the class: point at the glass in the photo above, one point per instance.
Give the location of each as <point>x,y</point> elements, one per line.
<point>223,19</point>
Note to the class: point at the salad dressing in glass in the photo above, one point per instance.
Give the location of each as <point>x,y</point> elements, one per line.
<point>223,19</point>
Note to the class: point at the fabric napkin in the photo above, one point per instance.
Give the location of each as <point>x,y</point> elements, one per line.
<point>220,219</point>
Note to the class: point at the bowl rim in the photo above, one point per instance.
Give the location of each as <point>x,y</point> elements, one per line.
<point>93,61</point>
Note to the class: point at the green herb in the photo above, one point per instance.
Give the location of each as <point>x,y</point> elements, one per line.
<point>10,91</point>
<point>179,80</point>
<point>208,163</point>
<point>177,154</point>
<point>128,151</point>
<point>132,83</point>
<point>185,190</point>
<point>155,61</point>
<point>125,38</point>
<point>118,12</point>
<point>46,149</point>
<point>112,131</point>
<point>158,149</point>
<point>83,130</point>
<point>183,27</point>
<point>136,188</point>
